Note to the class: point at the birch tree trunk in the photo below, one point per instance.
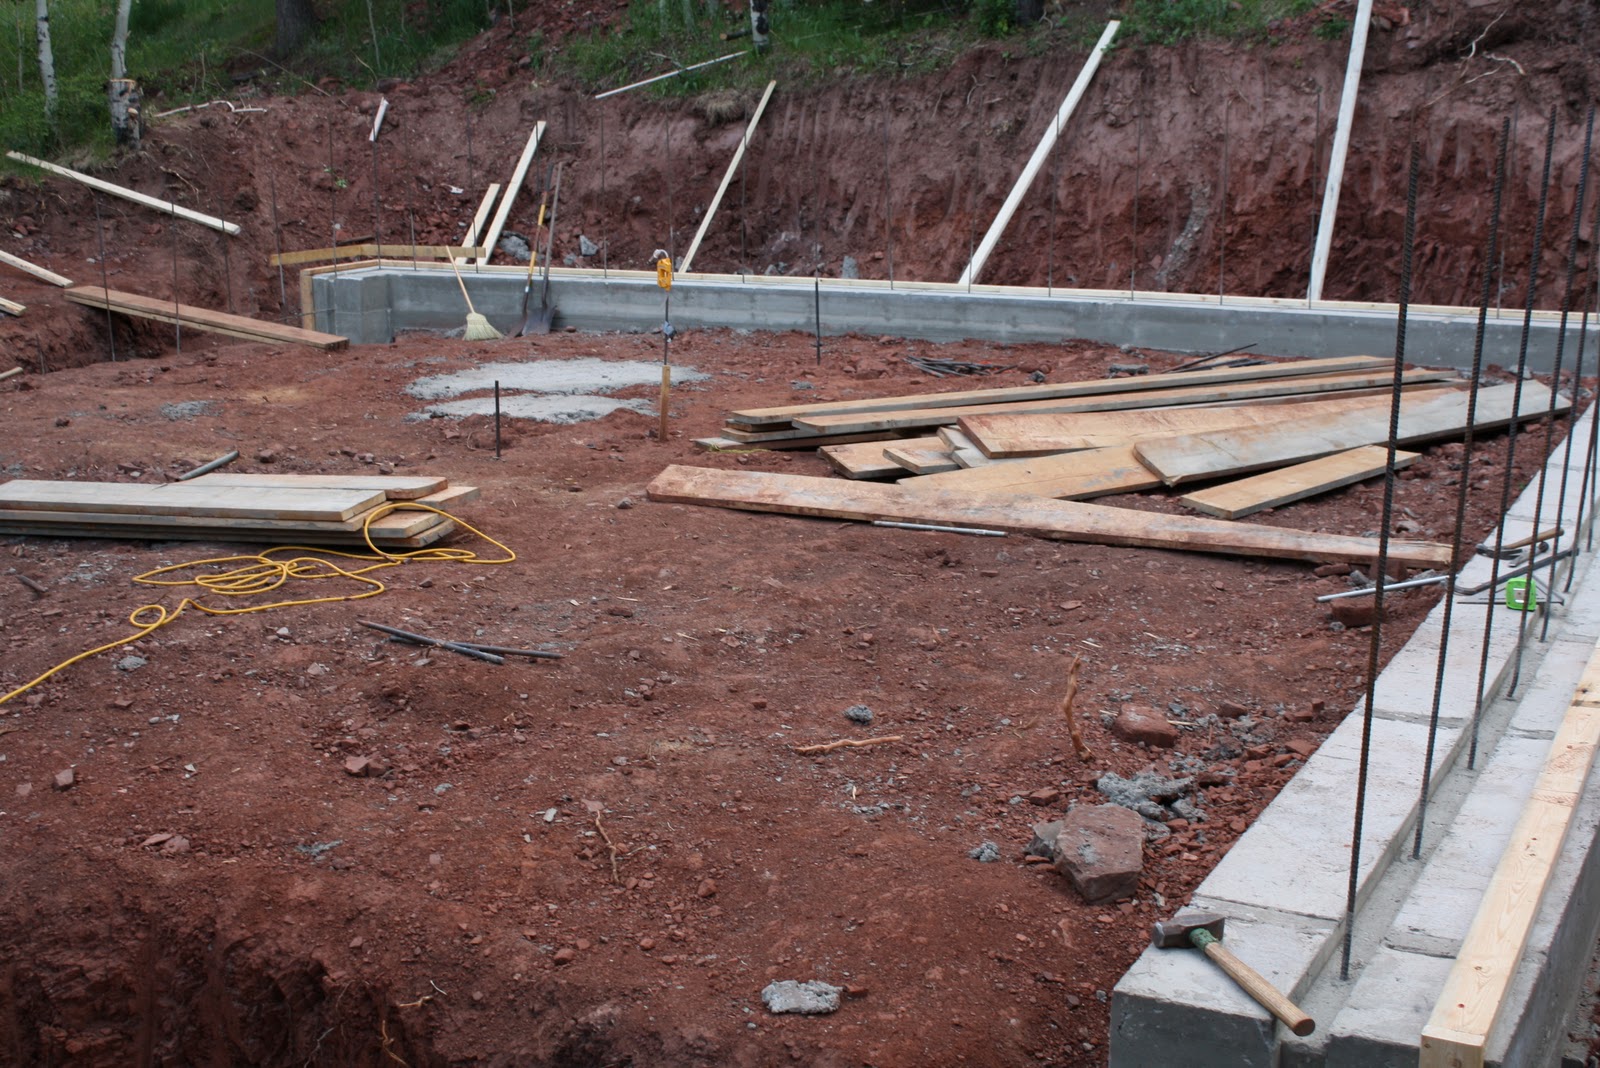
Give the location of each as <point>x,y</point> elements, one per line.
<point>47,62</point>
<point>122,91</point>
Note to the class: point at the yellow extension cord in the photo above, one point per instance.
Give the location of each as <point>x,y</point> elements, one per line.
<point>263,574</point>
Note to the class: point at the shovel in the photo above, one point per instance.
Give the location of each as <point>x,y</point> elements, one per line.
<point>538,322</point>
<point>533,255</point>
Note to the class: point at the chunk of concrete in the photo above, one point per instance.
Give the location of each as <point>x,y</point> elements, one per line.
<point>810,998</point>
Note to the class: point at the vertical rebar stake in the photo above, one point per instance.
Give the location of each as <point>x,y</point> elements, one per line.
<point>816,284</point>
<point>277,244</point>
<point>1222,230</point>
<point>1462,487</point>
<point>888,202</point>
<point>227,262</point>
<point>1585,502</point>
<point>1381,578</point>
<point>105,283</point>
<point>497,419</point>
<point>177,319</point>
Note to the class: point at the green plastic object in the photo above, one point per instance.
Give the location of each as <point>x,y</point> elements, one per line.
<point>1521,595</point>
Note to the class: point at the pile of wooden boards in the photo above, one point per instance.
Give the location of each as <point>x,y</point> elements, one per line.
<point>996,457</point>
<point>203,319</point>
<point>281,509</point>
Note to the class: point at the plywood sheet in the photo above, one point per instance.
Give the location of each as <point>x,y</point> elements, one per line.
<point>1271,489</point>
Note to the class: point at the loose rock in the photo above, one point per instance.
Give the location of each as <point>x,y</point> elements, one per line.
<point>65,780</point>
<point>1101,851</point>
<point>987,853</point>
<point>858,714</point>
<point>810,998</point>
<point>1141,723</point>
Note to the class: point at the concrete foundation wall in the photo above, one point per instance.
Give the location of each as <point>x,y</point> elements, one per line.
<point>370,304</point>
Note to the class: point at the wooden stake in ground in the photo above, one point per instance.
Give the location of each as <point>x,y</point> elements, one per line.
<point>1083,751</point>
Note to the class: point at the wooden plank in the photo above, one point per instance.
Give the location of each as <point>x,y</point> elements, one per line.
<point>865,459</point>
<point>513,188</point>
<point>368,251</point>
<point>727,176</point>
<point>752,418</point>
<point>397,524</point>
<point>34,269</point>
<point>921,459</point>
<point>1470,1004</point>
<point>447,500</point>
<point>395,487</point>
<point>1220,453</point>
<point>806,439</point>
<point>11,307</point>
<point>1074,476</point>
<point>187,498</point>
<point>1005,435</point>
<point>762,491</point>
<point>203,319</point>
<point>962,449</point>
<point>128,194</point>
<point>921,418</point>
<point>310,538</point>
<point>481,217</point>
<point>1286,485</point>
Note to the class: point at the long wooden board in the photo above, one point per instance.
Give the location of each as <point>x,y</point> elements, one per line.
<point>1006,434</point>
<point>922,459</point>
<point>916,418</point>
<point>482,217</point>
<point>865,459</point>
<point>395,487</point>
<point>760,491</point>
<point>733,167</point>
<point>369,251</point>
<point>34,269</point>
<point>397,524</point>
<point>202,318</point>
<point>1469,1006</point>
<point>187,498</point>
<point>1271,489</point>
<point>11,307</point>
<point>129,194</point>
<point>345,540</point>
<point>1229,452</point>
<point>1073,476</point>
<point>756,418</point>
<point>513,188</point>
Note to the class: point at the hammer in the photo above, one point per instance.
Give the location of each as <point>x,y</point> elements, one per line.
<point>1203,930</point>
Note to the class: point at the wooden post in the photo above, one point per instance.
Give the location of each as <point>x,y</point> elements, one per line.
<point>733,165</point>
<point>512,189</point>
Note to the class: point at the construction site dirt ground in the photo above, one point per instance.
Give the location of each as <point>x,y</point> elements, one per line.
<point>604,859</point>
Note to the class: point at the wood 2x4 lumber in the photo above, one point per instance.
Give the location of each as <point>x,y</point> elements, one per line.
<point>962,449</point>
<point>231,229</point>
<point>11,307</point>
<point>733,166</point>
<point>1470,1005</point>
<point>915,419</point>
<point>1271,489</point>
<point>1220,453</point>
<point>187,498</point>
<point>513,188</point>
<point>205,319</point>
<point>759,418</point>
<point>368,251</point>
<point>866,459</point>
<point>347,540</point>
<point>1329,216</point>
<point>482,216</point>
<point>397,524</point>
<point>1006,435</point>
<point>1040,153</point>
<point>394,487</point>
<point>34,269</point>
<point>1074,476</point>
<point>761,491</point>
<point>921,460</point>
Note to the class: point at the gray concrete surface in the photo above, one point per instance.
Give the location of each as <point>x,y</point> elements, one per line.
<point>1286,878</point>
<point>369,305</point>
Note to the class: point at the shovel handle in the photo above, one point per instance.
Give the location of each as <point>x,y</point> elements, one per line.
<point>1255,984</point>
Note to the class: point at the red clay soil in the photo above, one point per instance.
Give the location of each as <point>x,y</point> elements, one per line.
<point>433,914</point>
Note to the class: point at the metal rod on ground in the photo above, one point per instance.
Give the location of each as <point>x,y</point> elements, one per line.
<point>1525,569</point>
<point>438,643</point>
<point>1561,337</point>
<point>1462,488</point>
<point>177,321</point>
<point>1367,591</point>
<point>669,74</point>
<point>12,373</point>
<point>1375,647</point>
<point>277,242</point>
<point>497,419</point>
<point>209,466</point>
<point>1208,357</point>
<point>939,529</point>
<point>498,650</point>
<point>1511,440</point>
<point>32,585</point>
<point>100,243</point>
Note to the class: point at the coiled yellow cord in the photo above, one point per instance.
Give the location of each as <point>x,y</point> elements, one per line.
<point>263,574</point>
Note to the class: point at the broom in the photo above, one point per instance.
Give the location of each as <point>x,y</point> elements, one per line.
<point>477,327</point>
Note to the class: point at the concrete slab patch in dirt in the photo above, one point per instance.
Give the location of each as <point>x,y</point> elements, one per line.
<point>545,409</point>
<point>583,375</point>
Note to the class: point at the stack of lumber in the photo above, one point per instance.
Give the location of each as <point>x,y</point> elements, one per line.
<point>281,509</point>
<point>203,319</point>
<point>1237,440</point>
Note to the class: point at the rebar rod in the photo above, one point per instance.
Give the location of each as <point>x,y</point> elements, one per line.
<point>105,278</point>
<point>1375,647</point>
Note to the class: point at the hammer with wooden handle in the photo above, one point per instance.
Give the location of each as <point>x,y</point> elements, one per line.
<point>1203,930</point>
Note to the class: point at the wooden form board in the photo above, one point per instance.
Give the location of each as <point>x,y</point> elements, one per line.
<point>203,319</point>
<point>394,487</point>
<point>755,418</point>
<point>481,217</point>
<point>761,491</point>
<point>300,536</point>
<point>917,418</point>
<point>1006,435</point>
<point>1075,476</point>
<point>866,459</point>
<point>11,307</point>
<point>369,251</point>
<point>922,460</point>
<point>128,194</point>
<point>186,498</point>
<point>1469,1006</point>
<point>962,449</point>
<point>397,524</point>
<point>1270,489</point>
<point>513,188</point>
<point>34,269</point>
<point>1228,452</point>
<point>733,167</point>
